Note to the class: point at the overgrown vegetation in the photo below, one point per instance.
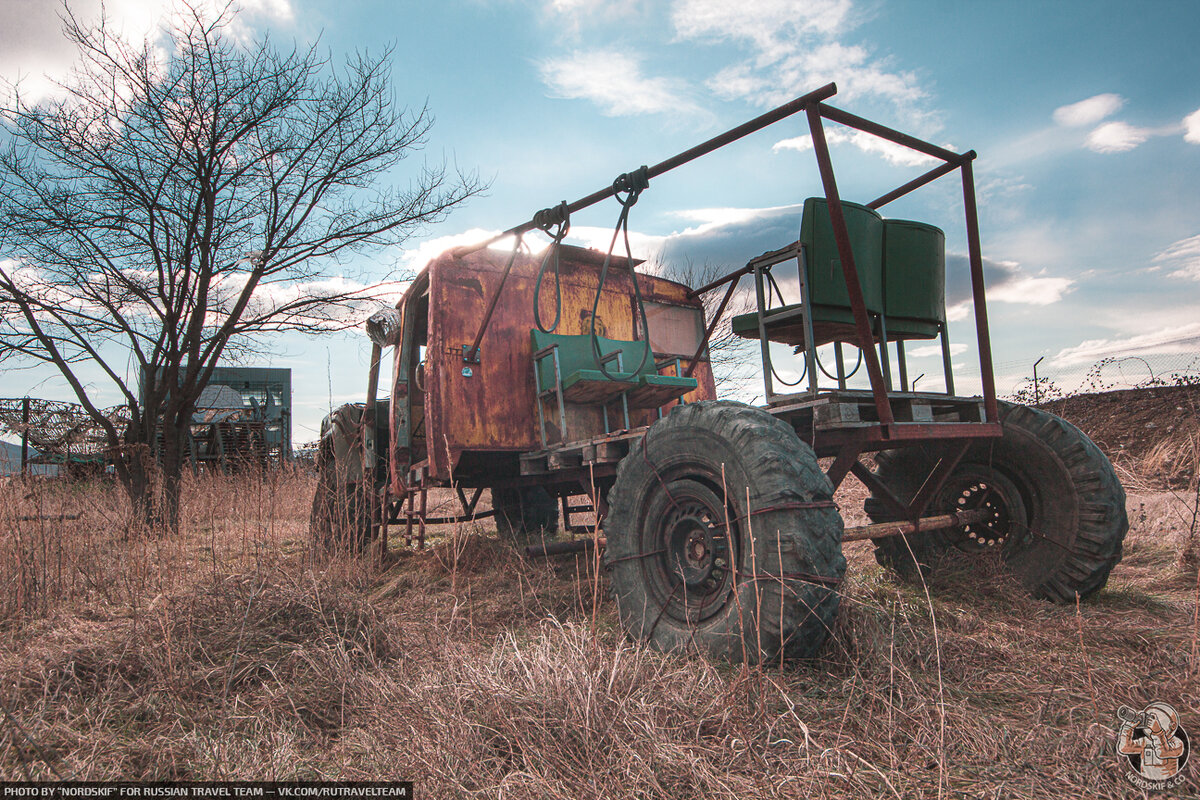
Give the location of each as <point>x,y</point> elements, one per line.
<point>228,651</point>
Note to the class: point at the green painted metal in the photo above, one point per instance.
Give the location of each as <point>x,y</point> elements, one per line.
<point>914,278</point>
<point>583,382</point>
<point>826,282</point>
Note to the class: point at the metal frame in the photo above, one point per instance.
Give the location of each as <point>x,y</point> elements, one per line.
<point>844,443</point>
<point>875,362</point>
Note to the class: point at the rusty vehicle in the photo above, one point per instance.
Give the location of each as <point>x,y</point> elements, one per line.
<point>569,382</point>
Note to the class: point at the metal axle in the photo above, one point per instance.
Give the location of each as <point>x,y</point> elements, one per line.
<point>878,530</point>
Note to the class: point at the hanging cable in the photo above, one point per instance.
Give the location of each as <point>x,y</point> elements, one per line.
<point>797,382</point>
<point>816,355</point>
<point>554,222</point>
<point>852,372</point>
<point>471,351</point>
<point>626,188</point>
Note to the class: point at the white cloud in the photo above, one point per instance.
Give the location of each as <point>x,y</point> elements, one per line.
<point>956,349</point>
<point>1089,111</point>
<point>868,143</point>
<point>1006,282</point>
<point>1030,290</point>
<point>647,246</point>
<point>34,51</point>
<point>794,48</point>
<point>1173,339</point>
<point>1191,127</point>
<point>415,258</point>
<point>1182,258</point>
<point>568,19</point>
<point>771,25</point>
<point>1117,137</point>
<point>614,82</point>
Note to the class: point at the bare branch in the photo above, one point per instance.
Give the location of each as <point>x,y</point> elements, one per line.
<point>167,210</point>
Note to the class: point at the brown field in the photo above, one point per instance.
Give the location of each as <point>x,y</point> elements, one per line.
<point>229,651</point>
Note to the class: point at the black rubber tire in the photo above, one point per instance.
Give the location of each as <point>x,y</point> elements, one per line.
<point>780,596</point>
<point>341,516</point>
<point>1062,504</point>
<point>525,512</point>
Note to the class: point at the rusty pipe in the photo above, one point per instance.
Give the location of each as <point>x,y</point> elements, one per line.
<point>678,160</point>
<point>878,530</point>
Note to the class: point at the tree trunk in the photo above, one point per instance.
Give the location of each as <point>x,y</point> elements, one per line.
<point>174,432</point>
<point>138,482</point>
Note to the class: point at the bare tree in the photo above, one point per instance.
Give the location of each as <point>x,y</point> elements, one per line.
<point>175,206</point>
<point>732,358</point>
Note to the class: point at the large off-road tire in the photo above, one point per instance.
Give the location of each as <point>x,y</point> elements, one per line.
<point>524,512</point>
<point>1057,508</point>
<point>693,567</point>
<point>341,517</point>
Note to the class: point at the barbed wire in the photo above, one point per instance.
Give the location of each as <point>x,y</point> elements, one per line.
<point>1049,381</point>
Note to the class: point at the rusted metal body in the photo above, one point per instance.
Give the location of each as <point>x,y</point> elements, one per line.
<point>468,419</point>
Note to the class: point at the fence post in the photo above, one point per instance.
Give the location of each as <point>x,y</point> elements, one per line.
<point>1037,387</point>
<point>25,436</point>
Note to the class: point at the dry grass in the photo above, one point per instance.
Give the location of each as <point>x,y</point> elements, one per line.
<point>229,652</point>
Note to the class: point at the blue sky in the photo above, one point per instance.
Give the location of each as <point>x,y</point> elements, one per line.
<point>1085,115</point>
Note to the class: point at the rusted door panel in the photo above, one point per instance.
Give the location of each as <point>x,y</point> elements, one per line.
<point>493,408</point>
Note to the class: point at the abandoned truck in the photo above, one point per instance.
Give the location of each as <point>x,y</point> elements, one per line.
<point>569,382</point>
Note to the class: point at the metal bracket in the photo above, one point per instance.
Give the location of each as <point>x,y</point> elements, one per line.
<point>467,356</point>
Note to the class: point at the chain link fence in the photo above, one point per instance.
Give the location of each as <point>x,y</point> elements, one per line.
<point>1038,380</point>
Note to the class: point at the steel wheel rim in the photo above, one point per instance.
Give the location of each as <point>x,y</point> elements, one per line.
<point>691,575</point>
<point>1003,529</point>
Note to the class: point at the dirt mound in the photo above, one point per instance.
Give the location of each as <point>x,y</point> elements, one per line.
<point>1156,429</point>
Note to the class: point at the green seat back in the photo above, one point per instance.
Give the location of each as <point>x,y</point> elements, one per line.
<point>826,282</point>
<point>914,283</point>
<point>575,354</point>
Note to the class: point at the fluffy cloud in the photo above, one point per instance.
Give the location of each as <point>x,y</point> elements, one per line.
<point>34,51</point>
<point>1182,258</point>
<point>1175,339</point>
<point>614,82</point>
<point>1089,111</point>
<point>770,25</point>
<point>571,17</point>
<point>1116,137</point>
<point>794,48</point>
<point>1191,127</point>
<point>868,143</point>
<point>1006,282</point>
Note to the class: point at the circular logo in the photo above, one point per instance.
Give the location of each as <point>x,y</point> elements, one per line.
<point>1153,746</point>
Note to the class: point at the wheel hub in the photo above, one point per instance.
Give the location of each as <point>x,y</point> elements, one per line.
<point>692,575</point>
<point>692,551</point>
<point>994,499</point>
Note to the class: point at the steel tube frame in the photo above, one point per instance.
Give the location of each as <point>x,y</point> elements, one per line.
<point>866,341</point>
<point>862,325</point>
<point>816,110</point>
<point>732,135</point>
<point>878,530</point>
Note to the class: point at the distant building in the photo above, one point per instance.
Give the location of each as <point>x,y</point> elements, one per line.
<point>243,412</point>
<point>267,388</point>
<point>10,461</point>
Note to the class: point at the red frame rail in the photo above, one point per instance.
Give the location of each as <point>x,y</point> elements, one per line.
<point>816,111</point>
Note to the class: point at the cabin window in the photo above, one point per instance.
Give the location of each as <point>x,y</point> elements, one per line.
<point>674,330</point>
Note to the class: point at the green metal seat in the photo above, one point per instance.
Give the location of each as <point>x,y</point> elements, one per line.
<point>565,369</point>
<point>828,298</point>
<point>914,280</point>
